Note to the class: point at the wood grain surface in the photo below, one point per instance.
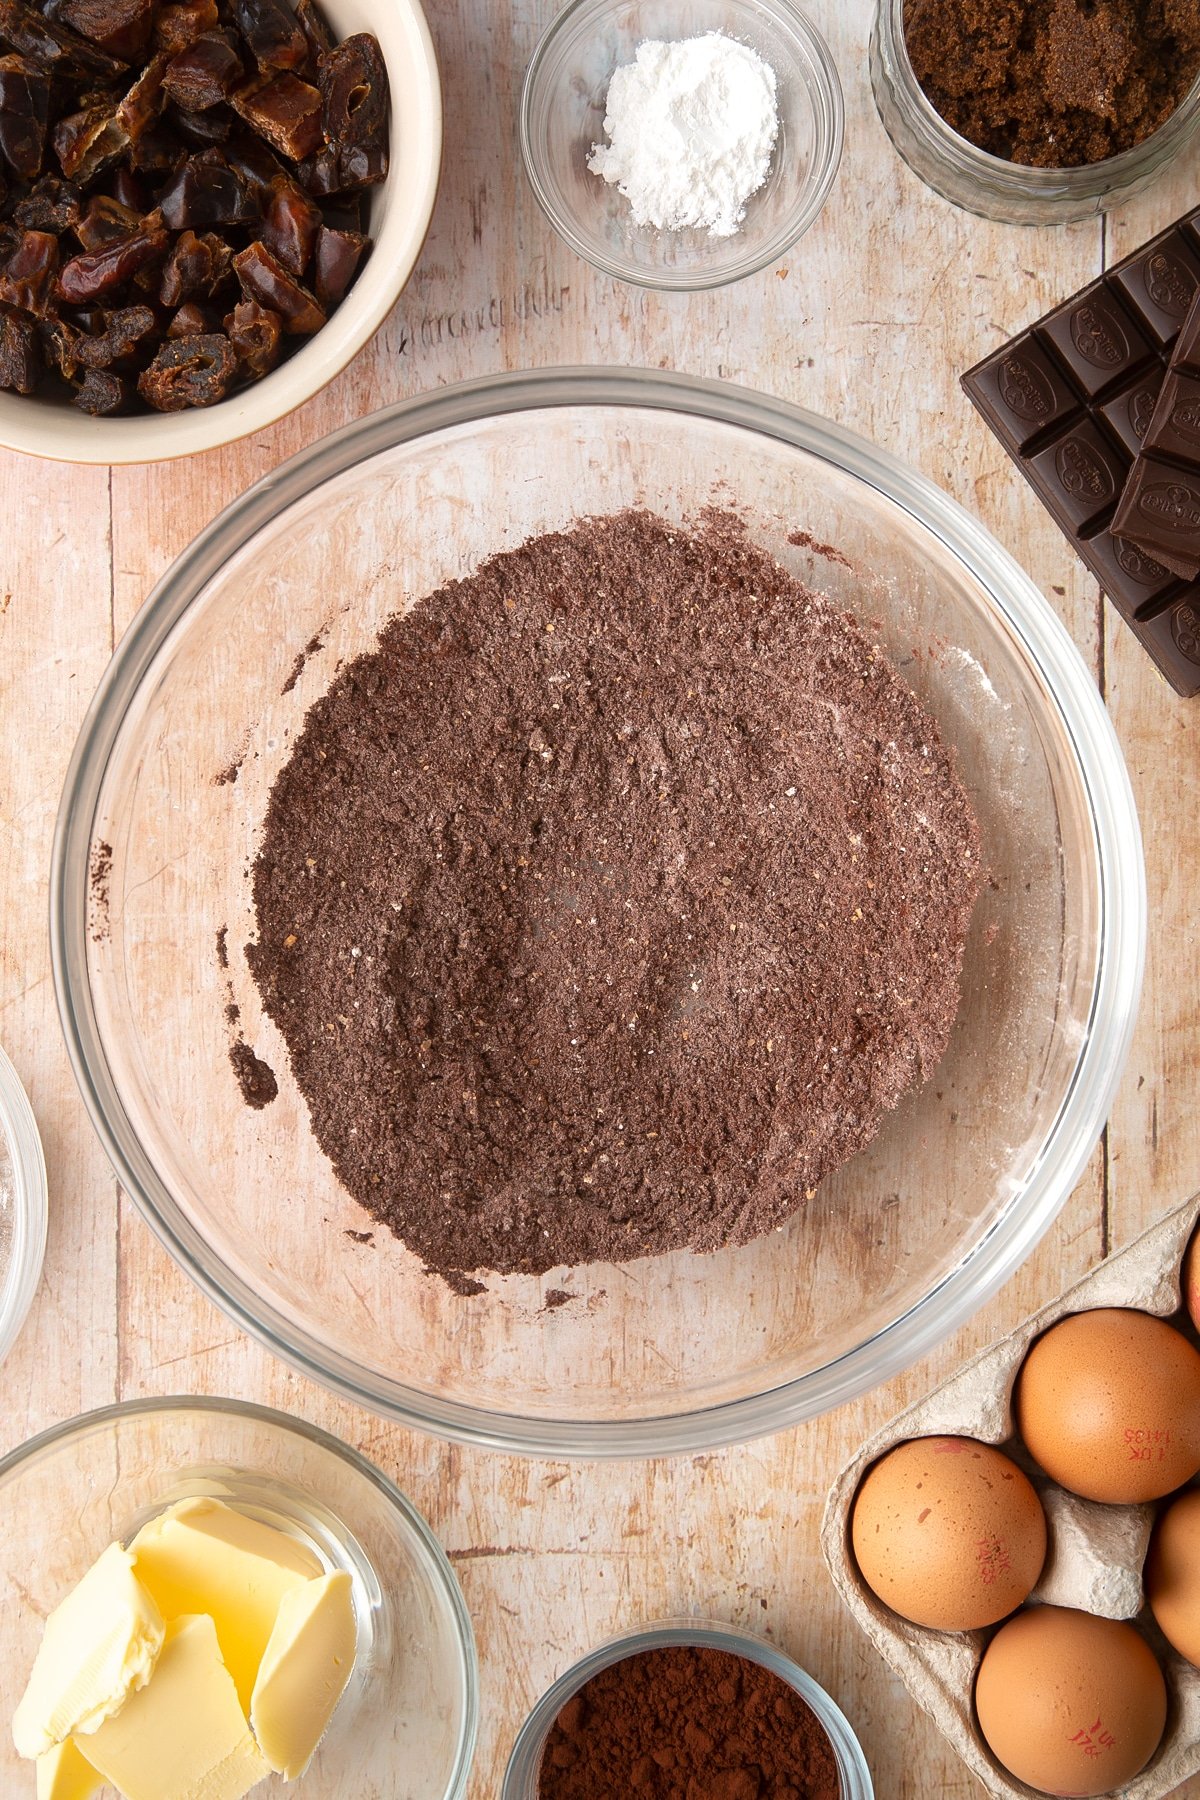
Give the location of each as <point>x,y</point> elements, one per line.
<point>870,320</point>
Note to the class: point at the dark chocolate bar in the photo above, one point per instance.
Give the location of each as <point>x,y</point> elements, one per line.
<point>1160,507</point>
<point>1071,400</point>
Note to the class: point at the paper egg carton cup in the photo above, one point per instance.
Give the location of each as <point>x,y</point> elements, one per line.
<point>1095,1555</point>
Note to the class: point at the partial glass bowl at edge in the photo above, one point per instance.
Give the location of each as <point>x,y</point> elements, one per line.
<point>562,117</point>
<point>668,1353</point>
<point>412,1700</point>
<point>23,1206</point>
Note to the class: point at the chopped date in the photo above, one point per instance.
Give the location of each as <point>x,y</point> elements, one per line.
<point>337,256</point>
<point>290,226</point>
<point>271,30</point>
<point>256,334</point>
<point>20,352</point>
<point>284,110</point>
<point>51,205</point>
<point>190,321</point>
<point>189,371</point>
<point>175,27</point>
<point>24,115</point>
<point>88,142</point>
<point>99,273</point>
<point>129,334</point>
<point>106,221</point>
<point>55,48</point>
<point>195,265</point>
<point>207,191</point>
<point>122,27</point>
<point>199,130</point>
<point>265,279</point>
<point>354,109</point>
<point>27,278</point>
<point>204,74</point>
<point>316,32</point>
<point>59,341</point>
<point>258,167</point>
<point>143,104</point>
<point>103,394</point>
<point>340,169</point>
<point>130,190</point>
<point>157,152</point>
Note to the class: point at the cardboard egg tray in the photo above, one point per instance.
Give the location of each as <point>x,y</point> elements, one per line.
<point>1095,1556</point>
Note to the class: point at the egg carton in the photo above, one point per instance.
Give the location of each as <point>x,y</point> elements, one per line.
<point>1095,1556</point>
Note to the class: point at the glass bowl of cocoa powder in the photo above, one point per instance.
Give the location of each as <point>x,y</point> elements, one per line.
<point>1032,113</point>
<point>376,1137</point>
<point>683,1700</point>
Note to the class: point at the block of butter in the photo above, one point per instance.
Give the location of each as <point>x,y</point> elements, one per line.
<point>200,1556</point>
<point>184,1735</point>
<point>64,1773</point>
<point>99,1646</point>
<point>304,1672</point>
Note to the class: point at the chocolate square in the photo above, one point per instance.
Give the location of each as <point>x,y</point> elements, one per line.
<point>1129,575</point>
<point>1176,429</point>
<point>1160,284</point>
<point>1096,340</point>
<point>1160,510</point>
<point>1024,390</point>
<point>1130,410</point>
<point>1172,637</point>
<point>1080,476</point>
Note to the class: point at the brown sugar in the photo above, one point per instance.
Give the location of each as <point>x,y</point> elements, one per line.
<point>1054,83</point>
<point>608,905</point>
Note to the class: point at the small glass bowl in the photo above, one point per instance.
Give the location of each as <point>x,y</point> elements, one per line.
<point>22,1206</point>
<point>521,1776</point>
<point>1012,193</point>
<point>562,116</point>
<point>412,1702</point>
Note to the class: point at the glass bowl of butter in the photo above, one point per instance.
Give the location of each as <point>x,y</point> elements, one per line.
<point>208,1597</point>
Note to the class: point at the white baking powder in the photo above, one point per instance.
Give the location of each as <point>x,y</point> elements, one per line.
<point>692,126</point>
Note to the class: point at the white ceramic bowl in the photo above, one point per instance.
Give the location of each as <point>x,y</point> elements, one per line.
<point>400,211</point>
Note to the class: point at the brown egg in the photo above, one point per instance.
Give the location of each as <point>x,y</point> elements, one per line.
<point>1191,1280</point>
<point>1069,1703</point>
<point>1173,1575</point>
<point>948,1532</point>
<point>1108,1403</point>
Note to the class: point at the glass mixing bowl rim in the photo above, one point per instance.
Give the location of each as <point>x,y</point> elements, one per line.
<point>295,1426</point>
<point>705,1634</point>
<point>1070,694</point>
<point>30,1206</point>
<point>823,88</point>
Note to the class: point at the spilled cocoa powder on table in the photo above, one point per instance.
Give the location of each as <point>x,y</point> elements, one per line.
<point>1054,83</point>
<point>687,1723</point>
<point>608,904</point>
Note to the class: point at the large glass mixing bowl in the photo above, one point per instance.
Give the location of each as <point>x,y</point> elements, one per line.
<point>671,1353</point>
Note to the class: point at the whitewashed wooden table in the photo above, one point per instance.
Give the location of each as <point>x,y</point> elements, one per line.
<point>869,320</point>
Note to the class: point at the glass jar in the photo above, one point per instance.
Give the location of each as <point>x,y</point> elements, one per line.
<point>1011,192</point>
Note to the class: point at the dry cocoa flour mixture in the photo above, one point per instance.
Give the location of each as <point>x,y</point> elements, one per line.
<point>610,902</point>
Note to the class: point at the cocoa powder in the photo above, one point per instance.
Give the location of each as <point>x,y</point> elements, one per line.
<point>608,904</point>
<point>1054,83</point>
<point>685,1723</point>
